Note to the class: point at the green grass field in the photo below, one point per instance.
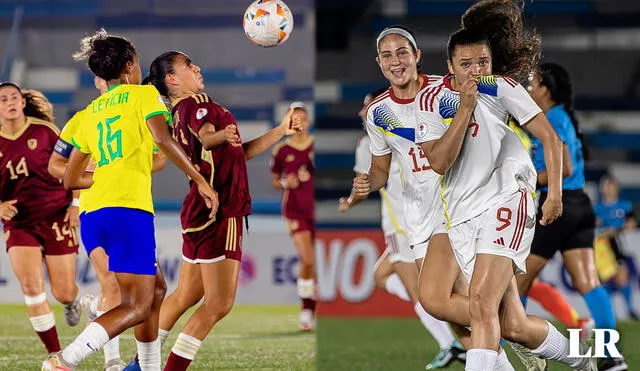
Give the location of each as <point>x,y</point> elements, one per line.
<point>251,338</point>
<point>403,344</point>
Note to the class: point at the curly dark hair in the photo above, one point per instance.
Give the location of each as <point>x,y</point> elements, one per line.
<point>106,54</point>
<point>515,51</point>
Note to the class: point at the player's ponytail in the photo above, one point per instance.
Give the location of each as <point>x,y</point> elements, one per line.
<point>515,51</point>
<point>160,68</point>
<point>106,55</point>
<point>36,104</point>
<point>557,79</point>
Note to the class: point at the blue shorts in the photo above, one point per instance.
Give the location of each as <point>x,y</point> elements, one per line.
<point>126,235</point>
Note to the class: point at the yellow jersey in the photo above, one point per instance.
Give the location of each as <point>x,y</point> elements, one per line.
<point>522,135</point>
<point>113,130</point>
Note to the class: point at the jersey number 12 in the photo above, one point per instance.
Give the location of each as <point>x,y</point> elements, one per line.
<point>108,141</point>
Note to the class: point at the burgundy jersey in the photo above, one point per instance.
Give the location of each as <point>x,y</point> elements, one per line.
<point>224,166</point>
<point>24,159</point>
<point>294,158</point>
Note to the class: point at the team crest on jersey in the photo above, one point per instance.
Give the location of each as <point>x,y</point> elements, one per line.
<point>422,130</point>
<point>385,119</point>
<point>201,113</point>
<point>290,158</point>
<point>32,143</point>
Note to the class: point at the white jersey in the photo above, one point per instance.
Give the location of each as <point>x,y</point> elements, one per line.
<point>392,202</point>
<point>391,126</point>
<point>492,163</point>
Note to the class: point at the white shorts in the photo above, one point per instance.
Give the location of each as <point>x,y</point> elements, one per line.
<point>420,249</point>
<point>399,249</point>
<point>505,229</point>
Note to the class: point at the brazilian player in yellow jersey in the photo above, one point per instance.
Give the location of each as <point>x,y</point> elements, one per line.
<point>118,131</point>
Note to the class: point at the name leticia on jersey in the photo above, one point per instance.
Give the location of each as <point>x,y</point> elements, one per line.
<point>111,100</point>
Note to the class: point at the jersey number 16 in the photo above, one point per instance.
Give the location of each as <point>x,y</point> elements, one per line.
<point>108,141</point>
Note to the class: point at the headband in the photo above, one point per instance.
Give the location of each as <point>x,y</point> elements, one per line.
<point>397,31</point>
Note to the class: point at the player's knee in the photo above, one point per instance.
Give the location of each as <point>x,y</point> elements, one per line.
<point>481,305</point>
<point>431,303</point>
<point>218,308</point>
<point>514,329</point>
<point>110,290</point>
<point>584,285</point>
<point>64,293</point>
<point>32,286</point>
<point>380,277</point>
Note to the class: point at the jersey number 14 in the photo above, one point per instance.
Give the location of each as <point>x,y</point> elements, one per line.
<point>108,141</point>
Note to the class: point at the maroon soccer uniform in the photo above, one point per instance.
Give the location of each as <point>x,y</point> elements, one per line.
<point>42,201</point>
<point>298,205</point>
<point>205,239</point>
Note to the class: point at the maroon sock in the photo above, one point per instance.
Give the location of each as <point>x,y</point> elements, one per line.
<point>309,304</point>
<point>50,339</point>
<point>176,363</point>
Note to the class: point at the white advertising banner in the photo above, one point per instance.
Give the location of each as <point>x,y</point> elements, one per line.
<point>268,271</point>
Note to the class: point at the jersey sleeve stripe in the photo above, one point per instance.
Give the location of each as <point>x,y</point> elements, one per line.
<point>433,96</point>
<point>380,98</point>
<point>510,81</point>
<point>156,113</point>
<point>423,98</point>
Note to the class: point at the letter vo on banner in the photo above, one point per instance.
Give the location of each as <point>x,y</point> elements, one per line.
<point>345,261</point>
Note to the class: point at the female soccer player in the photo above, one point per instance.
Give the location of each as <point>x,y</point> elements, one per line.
<point>613,217</point>
<point>127,120</point>
<point>293,171</point>
<point>109,291</point>
<point>573,233</point>
<point>395,271</point>
<point>38,215</point>
<point>212,246</point>
<point>487,184</point>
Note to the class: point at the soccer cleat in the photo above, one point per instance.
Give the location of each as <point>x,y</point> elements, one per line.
<point>586,325</point>
<point>530,361</point>
<point>132,366</point>
<point>442,360</point>
<point>56,363</point>
<point>306,320</point>
<point>612,364</point>
<point>72,313</point>
<point>114,365</point>
<point>459,352</point>
<point>85,303</point>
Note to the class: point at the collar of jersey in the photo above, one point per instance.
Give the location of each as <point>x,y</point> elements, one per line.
<point>113,87</point>
<point>425,82</point>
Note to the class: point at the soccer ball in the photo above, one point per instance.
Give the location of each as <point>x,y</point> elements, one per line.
<point>268,23</point>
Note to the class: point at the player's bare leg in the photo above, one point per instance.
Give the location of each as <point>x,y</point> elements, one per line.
<point>303,242</point>
<point>438,276</point>
<point>27,265</point>
<point>137,296</point>
<point>220,284</point>
<point>109,298</point>
<point>534,264</point>
<point>188,293</point>
<point>62,277</point>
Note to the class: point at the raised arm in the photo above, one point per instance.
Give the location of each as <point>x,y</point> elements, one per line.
<point>257,146</point>
<point>552,147</point>
<point>444,151</point>
<point>160,131</point>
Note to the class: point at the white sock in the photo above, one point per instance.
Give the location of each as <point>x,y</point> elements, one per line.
<point>394,286</point>
<point>481,360</point>
<point>502,362</point>
<point>43,323</point>
<point>556,347</point>
<point>91,340</point>
<point>439,330</point>
<point>149,355</point>
<point>162,335</point>
<point>93,307</point>
<point>186,346</point>
<point>112,348</point>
